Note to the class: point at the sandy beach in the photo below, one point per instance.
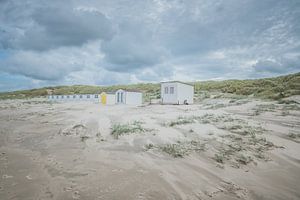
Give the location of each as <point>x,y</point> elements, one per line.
<point>215,149</point>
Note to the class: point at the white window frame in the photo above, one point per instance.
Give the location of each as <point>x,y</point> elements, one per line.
<point>166,90</point>
<point>171,90</point>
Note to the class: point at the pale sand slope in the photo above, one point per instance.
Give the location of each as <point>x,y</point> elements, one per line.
<point>66,151</point>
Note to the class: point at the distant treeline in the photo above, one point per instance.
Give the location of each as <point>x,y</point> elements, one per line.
<point>270,88</point>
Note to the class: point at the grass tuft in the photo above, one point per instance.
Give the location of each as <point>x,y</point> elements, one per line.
<point>174,150</point>
<point>181,149</point>
<point>219,158</point>
<point>242,159</point>
<point>182,120</point>
<point>118,130</point>
<point>83,138</point>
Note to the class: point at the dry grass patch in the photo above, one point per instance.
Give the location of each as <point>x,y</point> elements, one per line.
<point>118,130</point>
<point>78,129</point>
<point>179,149</point>
<point>242,143</point>
<point>182,120</point>
<point>294,137</point>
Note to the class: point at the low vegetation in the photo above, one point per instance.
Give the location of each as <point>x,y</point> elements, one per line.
<point>181,120</point>
<point>269,88</point>
<point>175,150</point>
<point>294,137</point>
<point>78,129</point>
<point>179,149</point>
<point>284,106</point>
<point>83,138</point>
<point>219,158</point>
<point>240,144</point>
<point>118,130</point>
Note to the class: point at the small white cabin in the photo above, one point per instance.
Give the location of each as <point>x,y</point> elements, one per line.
<point>129,97</point>
<point>176,92</point>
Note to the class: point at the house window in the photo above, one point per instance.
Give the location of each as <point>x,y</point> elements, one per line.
<point>74,96</point>
<point>62,97</point>
<point>57,97</point>
<point>96,96</point>
<point>68,97</point>
<point>88,96</point>
<point>171,90</point>
<point>80,96</point>
<point>166,90</point>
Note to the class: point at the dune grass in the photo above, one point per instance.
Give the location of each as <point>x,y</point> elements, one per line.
<point>118,130</point>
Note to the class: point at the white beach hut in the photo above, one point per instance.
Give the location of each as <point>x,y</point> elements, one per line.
<point>176,92</point>
<point>129,97</point>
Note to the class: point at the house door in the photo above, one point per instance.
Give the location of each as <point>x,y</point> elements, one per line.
<point>103,98</point>
<point>120,97</point>
<point>122,101</point>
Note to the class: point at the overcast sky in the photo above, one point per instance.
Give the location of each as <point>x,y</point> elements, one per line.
<point>104,42</point>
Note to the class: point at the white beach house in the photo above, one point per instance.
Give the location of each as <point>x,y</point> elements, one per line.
<point>129,97</point>
<point>176,92</point>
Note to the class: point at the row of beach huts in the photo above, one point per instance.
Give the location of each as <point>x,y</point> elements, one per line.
<point>172,92</point>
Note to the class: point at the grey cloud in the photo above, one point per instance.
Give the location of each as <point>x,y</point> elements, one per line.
<point>207,26</point>
<point>133,47</point>
<point>279,66</point>
<point>51,65</point>
<point>51,25</point>
<point>268,66</point>
<point>37,66</point>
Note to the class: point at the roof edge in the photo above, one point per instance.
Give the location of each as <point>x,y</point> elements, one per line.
<point>177,82</point>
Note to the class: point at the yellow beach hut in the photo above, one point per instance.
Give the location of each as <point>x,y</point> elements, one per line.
<point>108,98</point>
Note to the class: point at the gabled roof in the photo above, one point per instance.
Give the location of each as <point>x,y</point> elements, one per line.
<point>177,82</point>
<point>131,90</point>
